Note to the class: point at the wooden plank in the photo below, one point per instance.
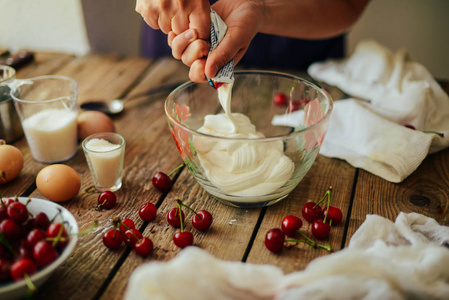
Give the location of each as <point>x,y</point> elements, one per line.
<point>72,278</point>
<point>325,172</point>
<point>231,226</point>
<point>425,191</point>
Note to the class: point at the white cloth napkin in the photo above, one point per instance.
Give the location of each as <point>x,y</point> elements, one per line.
<point>398,91</point>
<point>407,259</point>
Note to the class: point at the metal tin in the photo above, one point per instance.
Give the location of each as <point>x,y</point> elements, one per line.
<point>10,127</point>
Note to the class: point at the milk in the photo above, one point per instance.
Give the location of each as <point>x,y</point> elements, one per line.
<point>105,160</point>
<point>52,134</point>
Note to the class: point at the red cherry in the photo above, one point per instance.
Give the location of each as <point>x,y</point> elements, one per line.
<point>290,225</point>
<point>312,212</point>
<point>183,239</point>
<point>41,221</point>
<point>162,182</point>
<point>334,214</point>
<point>3,212</point>
<point>147,212</point>
<point>144,247</point>
<point>18,212</point>
<point>280,99</point>
<point>293,106</point>
<point>274,240</point>
<point>10,229</point>
<point>57,230</point>
<point>173,217</point>
<point>132,236</point>
<point>44,253</point>
<point>113,239</point>
<point>107,200</point>
<point>202,220</point>
<point>126,224</point>
<point>320,229</point>
<point>34,236</point>
<point>21,267</point>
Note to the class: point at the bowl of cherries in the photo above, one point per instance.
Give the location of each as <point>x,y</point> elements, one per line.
<point>36,236</point>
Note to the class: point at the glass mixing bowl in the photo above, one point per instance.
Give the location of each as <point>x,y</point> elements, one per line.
<point>290,115</point>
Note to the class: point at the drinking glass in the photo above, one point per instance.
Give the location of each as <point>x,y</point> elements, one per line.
<point>48,109</point>
<point>105,153</point>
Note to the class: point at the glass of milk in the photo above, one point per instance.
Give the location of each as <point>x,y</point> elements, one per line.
<point>105,153</point>
<point>48,108</point>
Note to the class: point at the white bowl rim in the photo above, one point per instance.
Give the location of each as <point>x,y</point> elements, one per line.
<point>264,139</point>
<point>9,287</point>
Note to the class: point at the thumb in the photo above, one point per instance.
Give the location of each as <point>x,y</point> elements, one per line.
<point>232,46</point>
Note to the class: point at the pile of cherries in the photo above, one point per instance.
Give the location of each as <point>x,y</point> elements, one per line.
<point>125,231</point>
<point>321,220</point>
<point>27,242</point>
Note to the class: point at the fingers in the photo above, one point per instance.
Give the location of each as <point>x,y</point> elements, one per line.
<point>179,23</point>
<point>176,15</point>
<point>200,20</point>
<point>196,73</point>
<point>180,42</point>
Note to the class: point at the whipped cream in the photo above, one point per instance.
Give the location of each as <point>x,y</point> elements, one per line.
<point>240,167</point>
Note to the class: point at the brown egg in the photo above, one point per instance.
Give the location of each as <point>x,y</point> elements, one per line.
<point>90,122</point>
<point>11,162</point>
<point>58,182</point>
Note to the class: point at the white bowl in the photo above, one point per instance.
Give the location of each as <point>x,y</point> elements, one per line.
<point>19,289</point>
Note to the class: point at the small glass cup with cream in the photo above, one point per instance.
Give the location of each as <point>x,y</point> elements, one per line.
<point>48,109</point>
<point>105,153</point>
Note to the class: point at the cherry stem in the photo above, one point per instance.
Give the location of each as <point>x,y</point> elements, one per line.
<point>132,232</point>
<point>311,244</point>
<point>329,239</point>
<point>328,193</point>
<point>176,169</point>
<point>59,236</point>
<point>324,197</point>
<point>88,230</point>
<point>31,287</point>
<point>435,132</point>
<point>4,242</point>
<point>185,205</point>
<point>180,217</point>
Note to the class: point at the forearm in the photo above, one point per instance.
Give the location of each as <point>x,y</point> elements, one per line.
<point>310,19</point>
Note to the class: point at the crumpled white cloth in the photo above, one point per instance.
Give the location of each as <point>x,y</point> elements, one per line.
<point>399,91</point>
<point>407,259</point>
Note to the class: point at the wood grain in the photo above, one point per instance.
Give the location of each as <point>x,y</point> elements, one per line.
<point>94,272</point>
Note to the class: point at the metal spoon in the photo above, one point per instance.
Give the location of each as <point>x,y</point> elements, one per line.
<point>116,106</point>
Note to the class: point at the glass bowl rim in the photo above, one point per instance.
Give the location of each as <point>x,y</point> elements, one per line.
<point>251,72</point>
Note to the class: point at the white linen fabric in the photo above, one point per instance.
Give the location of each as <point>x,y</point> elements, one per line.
<point>396,91</point>
<point>406,259</point>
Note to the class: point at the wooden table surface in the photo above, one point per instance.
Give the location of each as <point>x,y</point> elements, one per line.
<point>94,272</point>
